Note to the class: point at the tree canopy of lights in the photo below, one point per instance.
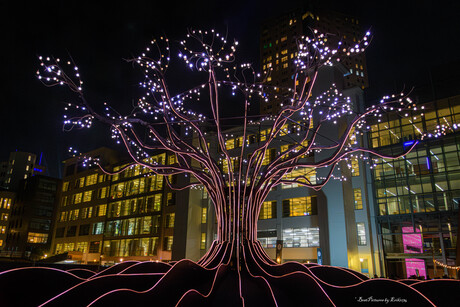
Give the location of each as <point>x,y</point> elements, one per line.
<point>238,167</point>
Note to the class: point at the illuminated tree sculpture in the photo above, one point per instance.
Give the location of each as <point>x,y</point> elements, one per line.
<point>237,178</point>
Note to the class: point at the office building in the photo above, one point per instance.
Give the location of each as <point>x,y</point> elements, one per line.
<point>30,220</point>
<point>20,165</point>
<point>132,215</point>
<point>417,196</point>
<point>278,49</point>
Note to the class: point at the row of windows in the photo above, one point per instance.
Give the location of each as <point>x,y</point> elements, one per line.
<point>135,226</point>
<point>84,181</point>
<point>137,186</point>
<point>303,237</point>
<point>263,134</point>
<point>136,247</point>
<point>94,247</point>
<point>419,203</point>
<point>86,196</point>
<point>301,175</point>
<point>135,170</point>
<point>5,203</point>
<point>83,230</point>
<point>424,161</point>
<point>425,180</point>
<point>410,127</point>
<point>84,213</point>
<point>292,237</point>
<point>300,206</point>
<point>35,237</point>
<point>146,204</point>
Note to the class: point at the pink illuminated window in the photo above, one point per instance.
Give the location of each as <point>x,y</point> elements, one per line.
<point>413,244</point>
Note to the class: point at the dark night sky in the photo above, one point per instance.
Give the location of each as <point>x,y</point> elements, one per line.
<point>409,38</point>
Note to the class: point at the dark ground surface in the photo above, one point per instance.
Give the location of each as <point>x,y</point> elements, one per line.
<point>188,284</point>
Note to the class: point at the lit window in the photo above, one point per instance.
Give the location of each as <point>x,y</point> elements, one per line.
<point>301,237</point>
<point>170,219</point>
<point>230,144</point>
<point>63,217</point>
<point>299,206</point>
<point>167,243</point>
<point>82,247</point>
<point>354,167</point>
<point>204,213</point>
<point>300,175</point>
<point>156,182</point>
<point>77,198</point>
<point>74,214</point>
<point>239,141</point>
<point>203,240</point>
<point>172,159</point>
<point>361,233</point>
<point>157,199</point>
<point>68,247</point>
<point>87,196</point>
<point>284,148</point>
<point>268,210</point>
<point>101,210</point>
<point>358,199</point>
<point>269,156</point>
<point>285,65</point>
<point>34,237</point>
<point>102,193</point>
<point>364,265</point>
<point>101,178</point>
<point>91,179</point>
<point>98,228</point>
<point>284,38</point>
<point>65,186</point>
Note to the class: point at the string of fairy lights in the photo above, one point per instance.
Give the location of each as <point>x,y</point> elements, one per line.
<point>445,265</point>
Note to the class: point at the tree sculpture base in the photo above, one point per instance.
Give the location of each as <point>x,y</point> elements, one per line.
<point>255,281</point>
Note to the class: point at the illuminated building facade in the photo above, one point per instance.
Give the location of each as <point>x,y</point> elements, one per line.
<point>278,49</point>
<point>417,196</point>
<point>82,209</point>
<point>132,215</point>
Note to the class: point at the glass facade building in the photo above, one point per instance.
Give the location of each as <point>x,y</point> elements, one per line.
<point>417,195</point>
